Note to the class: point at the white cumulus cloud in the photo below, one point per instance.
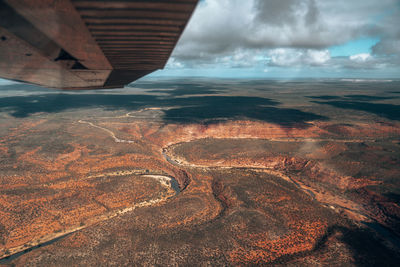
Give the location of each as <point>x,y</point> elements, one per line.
<point>361,57</point>
<point>286,57</point>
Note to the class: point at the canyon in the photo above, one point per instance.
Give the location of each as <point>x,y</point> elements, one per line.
<point>218,172</point>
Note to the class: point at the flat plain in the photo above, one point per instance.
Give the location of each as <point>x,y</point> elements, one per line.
<point>201,172</point>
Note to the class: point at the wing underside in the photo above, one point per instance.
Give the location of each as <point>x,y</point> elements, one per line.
<point>88,44</point>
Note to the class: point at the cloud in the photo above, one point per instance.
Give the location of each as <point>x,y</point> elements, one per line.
<point>360,57</point>
<point>388,28</point>
<point>7,82</point>
<point>294,57</point>
<point>174,64</point>
<point>387,47</point>
<point>287,12</point>
<point>237,33</point>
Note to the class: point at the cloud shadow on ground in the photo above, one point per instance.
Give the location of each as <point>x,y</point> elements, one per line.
<point>233,107</point>
<point>180,89</point>
<point>389,111</point>
<point>198,109</point>
<point>362,103</point>
<point>366,248</point>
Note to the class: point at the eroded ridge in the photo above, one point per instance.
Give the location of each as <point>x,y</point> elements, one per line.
<point>306,164</point>
<point>103,207</point>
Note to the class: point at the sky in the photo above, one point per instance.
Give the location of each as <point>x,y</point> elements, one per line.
<point>290,39</point>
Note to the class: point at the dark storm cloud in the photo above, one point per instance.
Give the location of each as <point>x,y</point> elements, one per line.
<point>389,29</point>
<point>286,12</point>
<point>387,47</point>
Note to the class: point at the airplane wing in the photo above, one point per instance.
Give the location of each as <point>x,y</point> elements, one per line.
<point>88,44</point>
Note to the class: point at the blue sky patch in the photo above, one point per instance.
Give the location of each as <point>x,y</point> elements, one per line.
<point>355,47</point>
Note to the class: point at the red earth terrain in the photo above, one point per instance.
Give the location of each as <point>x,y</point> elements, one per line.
<point>144,186</point>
